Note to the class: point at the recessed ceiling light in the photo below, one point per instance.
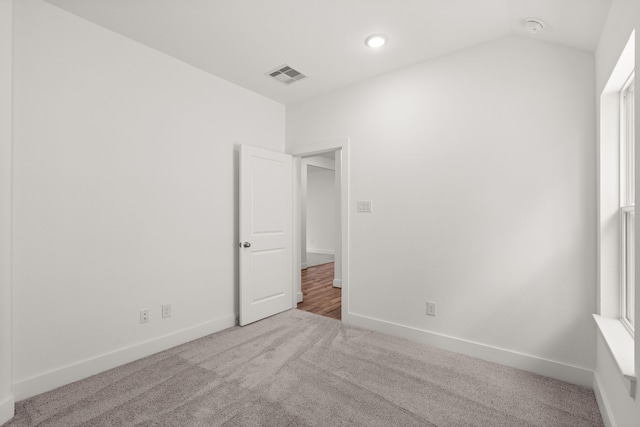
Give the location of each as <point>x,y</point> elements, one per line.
<point>375,41</point>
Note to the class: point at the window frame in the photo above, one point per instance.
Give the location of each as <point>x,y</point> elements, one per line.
<point>627,203</point>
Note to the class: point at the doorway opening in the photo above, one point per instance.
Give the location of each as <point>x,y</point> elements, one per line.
<point>318,217</point>
<point>320,243</point>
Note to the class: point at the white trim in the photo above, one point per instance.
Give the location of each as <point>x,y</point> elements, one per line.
<point>608,168</point>
<point>537,365</point>
<point>320,162</point>
<point>300,205</point>
<point>6,143</point>
<point>27,387</point>
<point>322,251</point>
<point>625,248</point>
<point>626,123</point>
<point>7,409</point>
<point>304,266</point>
<point>299,297</point>
<point>337,283</point>
<point>309,150</point>
<point>603,403</point>
<point>621,346</point>
<point>627,196</point>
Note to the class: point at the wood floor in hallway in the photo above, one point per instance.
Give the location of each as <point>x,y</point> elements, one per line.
<point>319,295</point>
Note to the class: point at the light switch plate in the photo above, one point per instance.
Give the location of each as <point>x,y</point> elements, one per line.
<point>166,310</point>
<point>364,206</point>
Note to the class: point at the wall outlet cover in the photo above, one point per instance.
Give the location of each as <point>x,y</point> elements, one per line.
<point>144,315</point>
<point>431,308</point>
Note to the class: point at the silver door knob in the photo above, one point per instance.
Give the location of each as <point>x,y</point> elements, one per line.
<point>247,245</point>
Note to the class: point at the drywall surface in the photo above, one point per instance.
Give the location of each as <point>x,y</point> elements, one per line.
<point>481,169</point>
<point>321,210</point>
<point>620,407</point>
<point>6,72</point>
<point>124,196</point>
<point>621,21</point>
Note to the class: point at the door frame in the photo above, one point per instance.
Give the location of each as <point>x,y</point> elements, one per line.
<point>341,147</point>
<point>6,143</point>
<point>321,163</point>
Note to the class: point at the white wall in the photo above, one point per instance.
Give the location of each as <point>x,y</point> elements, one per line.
<point>321,210</point>
<point>124,197</point>
<point>6,64</point>
<point>618,408</point>
<point>481,169</point>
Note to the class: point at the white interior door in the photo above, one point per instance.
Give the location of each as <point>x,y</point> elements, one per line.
<point>266,238</point>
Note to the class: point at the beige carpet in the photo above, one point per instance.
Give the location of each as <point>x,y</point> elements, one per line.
<point>301,369</point>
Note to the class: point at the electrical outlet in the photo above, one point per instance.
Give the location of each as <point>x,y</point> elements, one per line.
<point>431,308</point>
<point>144,316</point>
<point>166,311</point>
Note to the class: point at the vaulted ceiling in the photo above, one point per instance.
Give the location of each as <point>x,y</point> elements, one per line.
<point>241,40</point>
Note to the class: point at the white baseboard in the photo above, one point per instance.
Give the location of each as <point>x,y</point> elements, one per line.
<point>337,283</point>
<point>603,403</point>
<point>322,251</point>
<point>7,409</point>
<point>548,368</point>
<point>46,381</point>
<point>299,297</point>
<point>304,266</point>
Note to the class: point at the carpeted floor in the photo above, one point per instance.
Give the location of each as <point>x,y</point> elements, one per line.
<point>301,369</point>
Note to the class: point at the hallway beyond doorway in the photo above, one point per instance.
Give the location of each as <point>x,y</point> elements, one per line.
<point>314,259</point>
<point>319,295</point>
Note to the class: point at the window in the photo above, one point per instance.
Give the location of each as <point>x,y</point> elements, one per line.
<point>616,215</point>
<point>627,203</point>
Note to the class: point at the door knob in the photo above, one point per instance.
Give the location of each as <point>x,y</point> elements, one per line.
<point>247,245</point>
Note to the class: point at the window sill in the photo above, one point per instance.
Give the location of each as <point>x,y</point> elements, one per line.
<point>621,346</point>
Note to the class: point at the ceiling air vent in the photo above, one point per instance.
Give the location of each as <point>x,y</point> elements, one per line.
<point>285,74</point>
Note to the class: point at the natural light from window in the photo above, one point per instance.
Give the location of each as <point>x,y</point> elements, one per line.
<point>627,202</point>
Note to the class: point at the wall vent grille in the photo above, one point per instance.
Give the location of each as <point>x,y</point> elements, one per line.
<point>286,75</point>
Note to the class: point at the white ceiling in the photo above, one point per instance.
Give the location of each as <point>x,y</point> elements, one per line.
<point>241,40</point>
